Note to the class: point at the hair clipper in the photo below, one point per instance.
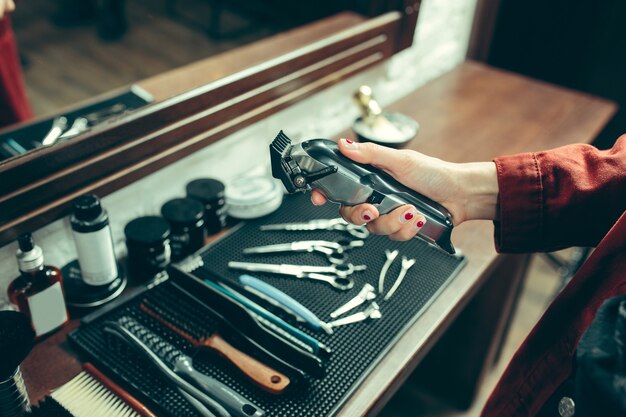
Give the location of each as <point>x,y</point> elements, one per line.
<point>317,163</point>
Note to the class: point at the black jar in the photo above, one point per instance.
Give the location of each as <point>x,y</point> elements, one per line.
<point>186,219</point>
<point>148,245</point>
<point>210,192</point>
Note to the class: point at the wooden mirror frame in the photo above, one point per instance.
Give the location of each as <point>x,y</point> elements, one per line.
<point>38,187</point>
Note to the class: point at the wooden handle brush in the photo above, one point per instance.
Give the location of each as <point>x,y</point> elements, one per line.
<point>92,393</point>
<point>264,376</point>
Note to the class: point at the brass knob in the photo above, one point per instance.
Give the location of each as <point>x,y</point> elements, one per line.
<point>369,106</point>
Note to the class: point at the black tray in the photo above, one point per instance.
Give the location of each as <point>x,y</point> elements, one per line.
<point>356,348</point>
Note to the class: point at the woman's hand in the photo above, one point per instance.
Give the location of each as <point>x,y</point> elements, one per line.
<point>468,191</point>
<point>6,6</point>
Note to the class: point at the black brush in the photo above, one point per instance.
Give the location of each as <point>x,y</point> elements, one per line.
<point>16,340</point>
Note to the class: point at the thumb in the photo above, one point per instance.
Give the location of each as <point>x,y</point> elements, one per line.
<point>370,153</point>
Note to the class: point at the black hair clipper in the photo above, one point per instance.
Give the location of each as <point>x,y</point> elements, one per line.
<point>317,163</point>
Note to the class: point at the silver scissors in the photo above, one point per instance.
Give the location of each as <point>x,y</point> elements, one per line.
<point>359,232</point>
<point>338,275</point>
<point>335,251</point>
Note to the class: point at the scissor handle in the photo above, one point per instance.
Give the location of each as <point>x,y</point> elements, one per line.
<point>337,258</point>
<point>340,283</point>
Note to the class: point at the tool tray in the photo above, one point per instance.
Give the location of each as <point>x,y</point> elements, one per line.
<point>357,348</point>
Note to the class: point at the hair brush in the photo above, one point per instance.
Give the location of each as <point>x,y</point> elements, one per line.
<point>88,394</point>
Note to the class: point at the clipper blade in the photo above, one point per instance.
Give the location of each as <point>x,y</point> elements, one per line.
<point>281,142</point>
<point>279,149</point>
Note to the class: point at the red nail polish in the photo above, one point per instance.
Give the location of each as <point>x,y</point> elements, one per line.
<point>420,223</point>
<point>366,217</point>
<point>408,216</point>
<point>349,141</point>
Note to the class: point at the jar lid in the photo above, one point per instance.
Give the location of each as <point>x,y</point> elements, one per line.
<point>87,207</point>
<point>147,230</point>
<point>252,197</point>
<point>205,189</point>
<point>183,211</point>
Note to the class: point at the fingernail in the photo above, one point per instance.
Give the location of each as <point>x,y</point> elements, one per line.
<point>367,216</point>
<point>420,223</point>
<point>407,215</point>
<point>350,144</point>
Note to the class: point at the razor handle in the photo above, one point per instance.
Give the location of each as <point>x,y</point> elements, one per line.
<point>321,166</point>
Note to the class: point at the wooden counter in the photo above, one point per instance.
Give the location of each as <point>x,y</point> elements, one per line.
<point>472,113</point>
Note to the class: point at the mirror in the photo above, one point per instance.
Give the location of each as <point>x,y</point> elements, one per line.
<point>226,93</point>
<point>83,59</point>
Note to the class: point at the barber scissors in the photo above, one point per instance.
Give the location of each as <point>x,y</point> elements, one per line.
<point>335,251</point>
<point>359,232</point>
<point>338,276</point>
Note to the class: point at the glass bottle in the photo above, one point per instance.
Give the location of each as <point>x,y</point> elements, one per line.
<point>38,291</point>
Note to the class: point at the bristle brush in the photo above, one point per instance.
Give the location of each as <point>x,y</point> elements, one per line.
<point>89,394</point>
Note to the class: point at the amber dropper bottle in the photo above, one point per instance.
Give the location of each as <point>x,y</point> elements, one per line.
<point>38,291</point>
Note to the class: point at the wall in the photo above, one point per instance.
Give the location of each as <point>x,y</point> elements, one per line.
<point>441,41</point>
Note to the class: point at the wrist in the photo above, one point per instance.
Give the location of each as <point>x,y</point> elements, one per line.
<point>479,188</point>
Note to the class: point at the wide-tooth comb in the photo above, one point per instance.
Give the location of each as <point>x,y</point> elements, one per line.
<point>91,393</point>
<point>264,376</point>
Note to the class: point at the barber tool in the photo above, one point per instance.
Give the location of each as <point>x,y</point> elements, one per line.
<point>233,318</point>
<point>266,377</point>
<point>276,323</point>
<point>106,113</point>
<point>371,312</point>
<point>338,276</point>
<point>91,392</point>
<point>367,293</point>
<point>406,265</point>
<point>283,310</point>
<point>391,255</point>
<point>59,125</point>
<point>359,232</point>
<point>313,322</point>
<point>385,128</point>
<point>200,399</point>
<point>318,164</point>
<point>13,147</point>
<point>79,126</point>
<point>212,393</point>
<point>335,251</point>
<point>16,341</point>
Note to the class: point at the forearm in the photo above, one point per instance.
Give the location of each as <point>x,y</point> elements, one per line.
<point>478,185</point>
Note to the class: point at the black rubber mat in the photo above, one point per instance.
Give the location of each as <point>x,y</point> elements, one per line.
<point>357,348</point>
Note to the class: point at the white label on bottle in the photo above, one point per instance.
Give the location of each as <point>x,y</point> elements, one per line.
<point>96,256</point>
<point>47,309</point>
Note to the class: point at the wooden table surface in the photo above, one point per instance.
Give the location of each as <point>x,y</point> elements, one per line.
<point>472,113</point>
